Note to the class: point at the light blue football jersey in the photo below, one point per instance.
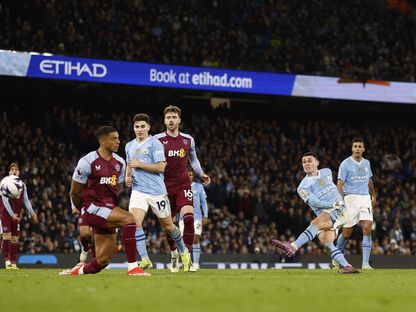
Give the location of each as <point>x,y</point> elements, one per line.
<point>319,192</point>
<point>150,151</point>
<point>355,176</point>
<point>200,201</point>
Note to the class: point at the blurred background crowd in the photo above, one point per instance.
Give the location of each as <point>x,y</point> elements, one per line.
<point>255,169</point>
<point>355,39</point>
<point>253,160</point>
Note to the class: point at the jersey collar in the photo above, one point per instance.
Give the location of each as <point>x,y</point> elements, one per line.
<point>142,142</point>
<point>357,162</point>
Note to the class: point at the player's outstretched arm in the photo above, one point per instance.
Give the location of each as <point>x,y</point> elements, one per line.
<point>28,205</point>
<point>196,165</point>
<point>76,196</point>
<point>314,201</point>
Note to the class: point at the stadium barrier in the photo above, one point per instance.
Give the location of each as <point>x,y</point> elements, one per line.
<point>252,261</point>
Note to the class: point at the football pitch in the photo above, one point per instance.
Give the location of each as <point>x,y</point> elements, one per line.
<point>209,290</point>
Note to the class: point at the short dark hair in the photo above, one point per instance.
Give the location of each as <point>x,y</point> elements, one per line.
<point>310,154</point>
<point>358,140</point>
<point>141,117</point>
<point>172,109</point>
<point>104,131</point>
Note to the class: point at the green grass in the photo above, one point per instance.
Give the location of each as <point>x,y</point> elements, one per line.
<point>208,290</point>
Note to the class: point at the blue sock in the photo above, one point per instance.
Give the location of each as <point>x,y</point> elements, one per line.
<point>307,235</point>
<point>337,255</point>
<point>177,237</point>
<point>366,249</point>
<point>196,252</point>
<point>341,242</point>
<point>141,242</point>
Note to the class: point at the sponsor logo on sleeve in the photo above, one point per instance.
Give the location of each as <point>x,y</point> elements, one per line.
<point>303,193</point>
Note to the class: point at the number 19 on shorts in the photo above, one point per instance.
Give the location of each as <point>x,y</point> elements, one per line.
<point>161,205</point>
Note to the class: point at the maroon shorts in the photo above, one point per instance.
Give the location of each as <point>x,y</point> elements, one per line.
<point>96,217</point>
<point>81,220</point>
<point>9,225</point>
<point>179,197</point>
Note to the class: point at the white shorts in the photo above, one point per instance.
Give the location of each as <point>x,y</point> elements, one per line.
<point>159,203</point>
<point>197,226</point>
<point>339,217</point>
<point>359,208</point>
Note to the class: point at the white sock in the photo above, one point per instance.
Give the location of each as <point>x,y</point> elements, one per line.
<point>294,246</point>
<point>174,253</point>
<point>7,262</point>
<point>185,251</point>
<point>131,266</point>
<point>81,270</point>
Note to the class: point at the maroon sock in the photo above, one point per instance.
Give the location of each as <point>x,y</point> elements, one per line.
<point>13,253</point>
<point>86,242</point>
<point>171,242</point>
<point>6,249</point>
<point>128,237</point>
<point>92,267</point>
<point>188,230</point>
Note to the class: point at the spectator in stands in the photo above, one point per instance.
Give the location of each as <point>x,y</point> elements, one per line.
<point>237,224</point>
<point>355,39</point>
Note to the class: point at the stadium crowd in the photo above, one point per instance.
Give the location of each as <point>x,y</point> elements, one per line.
<point>254,166</point>
<point>354,39</point>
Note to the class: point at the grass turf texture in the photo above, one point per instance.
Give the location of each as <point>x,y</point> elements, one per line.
<point>209,290</point>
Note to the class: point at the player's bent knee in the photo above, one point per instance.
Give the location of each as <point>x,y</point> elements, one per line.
<point>317,222</point>
<point>103,261</point>
<point>130,219</point>
<point>367,230</point>
<point>170,228</point>
<point>187,209</point>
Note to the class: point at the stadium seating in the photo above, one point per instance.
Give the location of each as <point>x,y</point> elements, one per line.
<point>252,197</point>
<point>355,39</point>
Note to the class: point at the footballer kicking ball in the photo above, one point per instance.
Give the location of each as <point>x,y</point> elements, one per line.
<point>11,186</point>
